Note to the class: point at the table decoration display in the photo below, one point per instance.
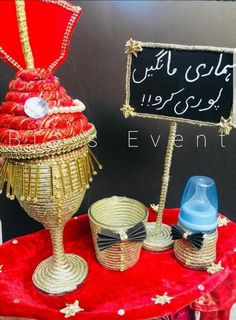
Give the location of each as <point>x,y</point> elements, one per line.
<point>118,230</point>
<point>178,83</point>
<point>137,293</point>
<point>43,134</point>
<point>196,233</point>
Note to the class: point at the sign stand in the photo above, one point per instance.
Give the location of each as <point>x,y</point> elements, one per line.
<point>158,233</point>
<point>178,83</point>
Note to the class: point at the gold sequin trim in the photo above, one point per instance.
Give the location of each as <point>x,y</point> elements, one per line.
<point>8,58</point>
<point>24,36</point>
<point>65,40</point>
<point>49,148</point>
<point>65,4</point>
<point>24,178</point>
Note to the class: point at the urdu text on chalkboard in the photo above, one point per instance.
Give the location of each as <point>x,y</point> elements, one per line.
<point>185,83</point>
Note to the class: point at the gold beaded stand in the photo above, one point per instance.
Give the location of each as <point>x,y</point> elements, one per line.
<point>51,190</point>
<point>158,233</point>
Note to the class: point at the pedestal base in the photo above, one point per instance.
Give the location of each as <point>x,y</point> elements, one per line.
<point>158,242</point>
<point>56,280</point>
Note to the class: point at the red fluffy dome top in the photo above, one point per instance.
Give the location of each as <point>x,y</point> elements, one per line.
<point>17,128</point>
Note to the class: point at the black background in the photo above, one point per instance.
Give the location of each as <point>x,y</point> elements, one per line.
<point>95,73</point>
<point>164,85</point>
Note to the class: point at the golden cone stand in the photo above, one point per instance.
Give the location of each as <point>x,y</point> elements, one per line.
<point>51,190</point>
<point>50,180</point>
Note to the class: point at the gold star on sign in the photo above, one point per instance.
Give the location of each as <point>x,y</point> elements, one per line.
<point>154,207</point>
<point>225,125</point>
<point>133,47</point>
<point>71,309</point>
<point>222,221</point>
<point>1,266</point>
<point>127,111</point>
<point>215,267</point>
<point>162,299</point>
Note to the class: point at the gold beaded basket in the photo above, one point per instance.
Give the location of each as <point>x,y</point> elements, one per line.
<point>117,214</point>
<point>193,258</point>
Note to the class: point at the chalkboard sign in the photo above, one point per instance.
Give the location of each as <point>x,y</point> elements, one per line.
<point>179,83</point>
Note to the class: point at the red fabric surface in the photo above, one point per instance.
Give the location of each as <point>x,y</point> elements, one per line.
<point>47,22</point>
<point>106,291</point>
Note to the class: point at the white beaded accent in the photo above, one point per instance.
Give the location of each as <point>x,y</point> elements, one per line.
<point>77,107</point>
<point>121,312</point>
<point>201,287</point>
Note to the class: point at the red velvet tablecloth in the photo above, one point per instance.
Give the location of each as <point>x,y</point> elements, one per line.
<point>107,293</point>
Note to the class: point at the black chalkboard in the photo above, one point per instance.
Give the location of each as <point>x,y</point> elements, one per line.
<point>190,84</point>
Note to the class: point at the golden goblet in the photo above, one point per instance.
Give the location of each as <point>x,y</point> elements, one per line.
<point>51,190</point>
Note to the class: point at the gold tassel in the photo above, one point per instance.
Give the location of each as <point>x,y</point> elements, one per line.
<point>3,175</point>
<point>13,182</point>
<point>90,173</point>
<point>62,179</point>
<point>78,174</point>
<point>22,197</point>
<point>28,198</point>
<point>95,159</point>
<point>36,184</point>
<point>92,166</point>
<point>70,177</point>
<point>85,173</point>
<point>52,182</point>
<point>9,172</point>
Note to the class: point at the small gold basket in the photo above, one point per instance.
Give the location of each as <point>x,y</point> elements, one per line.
<point>117,214</point>
<point>193,258</point>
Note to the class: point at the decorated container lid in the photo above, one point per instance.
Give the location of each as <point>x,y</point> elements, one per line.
<point>199,206</point>
<point>38,117</point>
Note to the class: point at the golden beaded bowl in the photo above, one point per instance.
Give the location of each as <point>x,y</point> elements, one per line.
<point>117,214</point>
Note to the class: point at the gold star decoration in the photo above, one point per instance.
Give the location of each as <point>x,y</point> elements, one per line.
<point>154,207</point>
<point>215,267</point>
<point>225,125</point>
<point>71,309</point>
<point>222,221</point>
<point>1,266</point>
<point>127,111</point>
<point>162,299</point>
<point>133,47</point>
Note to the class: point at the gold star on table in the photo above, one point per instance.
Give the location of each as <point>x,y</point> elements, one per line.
<point>154,207</point>
<point>222,221</point>
<point>225,125</point>
<point>133,47</point>
<point>188,262</point>
<point>127,111</point>
<point>215,267</point>
<point>1,266</point>
<point>71,309</point>
<point>162,299</point>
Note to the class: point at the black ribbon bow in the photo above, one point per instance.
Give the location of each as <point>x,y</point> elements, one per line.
<point>196,239</point>
<point>107,238</point>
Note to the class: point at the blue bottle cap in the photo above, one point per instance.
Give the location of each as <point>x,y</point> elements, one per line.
<point>199,206</point>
